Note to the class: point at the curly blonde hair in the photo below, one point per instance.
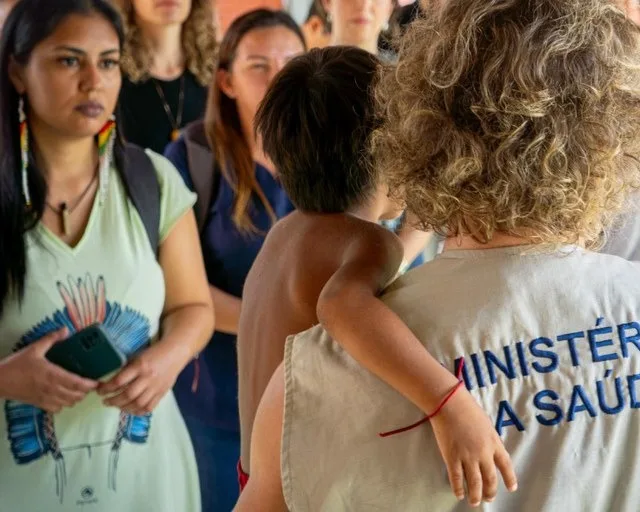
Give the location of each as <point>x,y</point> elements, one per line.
<point>198,39</point>
<point>514,116</point>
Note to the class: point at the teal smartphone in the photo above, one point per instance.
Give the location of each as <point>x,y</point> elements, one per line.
<point>88,353</point>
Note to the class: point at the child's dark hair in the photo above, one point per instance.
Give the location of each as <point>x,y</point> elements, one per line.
<point>315,124</point>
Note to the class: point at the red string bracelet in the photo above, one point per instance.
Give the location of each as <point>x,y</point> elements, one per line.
<point>448,397</point>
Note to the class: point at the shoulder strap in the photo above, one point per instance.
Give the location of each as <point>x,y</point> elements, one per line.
<point>202,169</point>
<point>141,182</point>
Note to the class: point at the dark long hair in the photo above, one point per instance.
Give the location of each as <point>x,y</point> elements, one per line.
<point>28,24</point>
<point>222,122</point>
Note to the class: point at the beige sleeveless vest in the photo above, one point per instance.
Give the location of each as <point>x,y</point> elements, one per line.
<point>551,344</point>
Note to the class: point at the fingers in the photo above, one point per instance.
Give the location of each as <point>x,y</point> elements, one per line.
<point>456,479</point>
<point>489,480</point>
<point>144,404</point>
<point>127,396</point>
<point>54,404</point>
<point>482,477</point>
<point>473,476</point>
<point>44,344</point>
<point>67,397</point>
<point>70,381</point>
<point>505,466</point>
<point>129,374</point>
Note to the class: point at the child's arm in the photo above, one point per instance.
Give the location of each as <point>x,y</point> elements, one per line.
<point>381,342</point>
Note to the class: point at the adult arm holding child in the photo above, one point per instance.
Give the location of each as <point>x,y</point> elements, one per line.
<point>381,342</point>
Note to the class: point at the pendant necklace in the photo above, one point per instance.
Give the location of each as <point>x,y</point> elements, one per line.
<point>176,121</point>
<point>65,210</point>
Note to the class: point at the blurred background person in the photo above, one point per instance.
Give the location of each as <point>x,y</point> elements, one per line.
<point>247,199</point>
<point>316,29</point>
<point>168,63</point>
<point>358,22</point>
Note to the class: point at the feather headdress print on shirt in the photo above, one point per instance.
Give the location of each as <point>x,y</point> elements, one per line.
<point>32,431</point>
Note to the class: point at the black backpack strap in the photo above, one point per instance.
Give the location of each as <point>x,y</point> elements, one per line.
<point>202,169</point>
<point>141,181</point>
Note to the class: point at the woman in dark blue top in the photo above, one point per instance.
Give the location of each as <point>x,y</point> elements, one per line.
<point>246,201</point>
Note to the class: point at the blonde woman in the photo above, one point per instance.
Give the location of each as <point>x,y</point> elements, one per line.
<point>168,64</point>
<point>520,151</point>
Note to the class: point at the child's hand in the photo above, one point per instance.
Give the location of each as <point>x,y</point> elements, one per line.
<point>471,449</point>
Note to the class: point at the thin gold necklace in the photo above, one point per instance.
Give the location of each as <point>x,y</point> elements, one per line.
<point>176,122</point>
<point>64,211</point>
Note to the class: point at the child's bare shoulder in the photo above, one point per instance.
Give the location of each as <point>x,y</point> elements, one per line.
<point>375,235</point>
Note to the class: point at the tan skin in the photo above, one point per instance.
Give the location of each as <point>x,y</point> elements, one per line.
<point>315,34</point>
<point>161,23</point>
<point>300,255</point>
<point>359,23</point>
<point>79,62</point>
<point>380,341</point>
<point>260,55</point>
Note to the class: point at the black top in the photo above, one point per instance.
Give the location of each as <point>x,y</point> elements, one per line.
<point>143,119</point>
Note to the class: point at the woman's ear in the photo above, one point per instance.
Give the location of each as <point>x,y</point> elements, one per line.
<point>225,83</point>
<point>16,75</point>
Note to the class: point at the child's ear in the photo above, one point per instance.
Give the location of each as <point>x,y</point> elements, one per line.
<point>225,83</point>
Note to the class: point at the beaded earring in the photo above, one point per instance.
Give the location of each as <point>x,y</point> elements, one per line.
<point>24,151</point>
<point>106,140</point>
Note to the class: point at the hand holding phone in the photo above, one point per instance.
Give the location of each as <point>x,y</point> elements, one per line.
<point>88,353</point>
<point>27,376</point>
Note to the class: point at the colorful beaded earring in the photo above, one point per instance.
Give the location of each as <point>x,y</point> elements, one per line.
<point>24,151</point>
<point>106,140</point>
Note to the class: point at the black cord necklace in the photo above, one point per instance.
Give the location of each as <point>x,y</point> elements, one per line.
<point>65,210</point>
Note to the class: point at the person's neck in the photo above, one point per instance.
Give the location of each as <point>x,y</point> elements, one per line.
<point>367,212</point>
<point>65,162</point>
<point>499,240</point>
<point>166,47</point>
<point>369,46</point>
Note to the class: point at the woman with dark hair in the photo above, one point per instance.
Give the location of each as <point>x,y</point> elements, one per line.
<point>74,252</point>
<point>168,62</point>
<point>240,202</point>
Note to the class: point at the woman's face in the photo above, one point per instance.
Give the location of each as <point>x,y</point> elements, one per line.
<point>260,55</point>
<point>72,79</point>
<point>162,12</point>
<point>358,22</point>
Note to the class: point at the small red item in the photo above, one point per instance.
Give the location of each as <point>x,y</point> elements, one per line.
<point>448,397</point>
<point>243,478</point>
